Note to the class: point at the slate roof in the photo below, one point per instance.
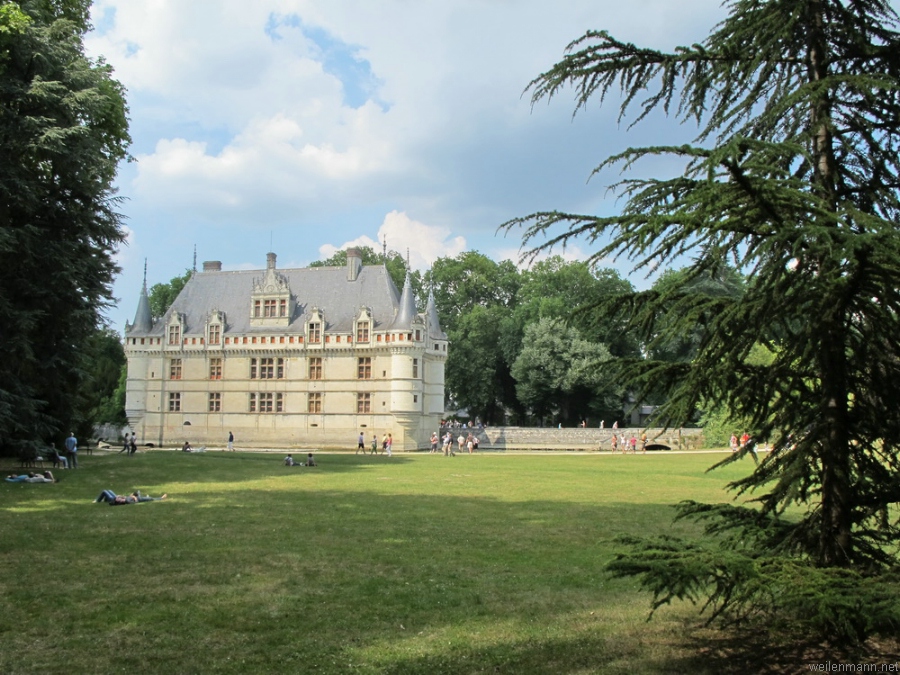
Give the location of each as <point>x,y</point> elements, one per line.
<point>325,288</point>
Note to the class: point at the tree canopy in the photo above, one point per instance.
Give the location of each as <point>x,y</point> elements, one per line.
<point>63,131</point>
<point>793,178</point>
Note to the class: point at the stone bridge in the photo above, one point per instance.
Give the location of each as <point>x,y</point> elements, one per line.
<point>534,438</point>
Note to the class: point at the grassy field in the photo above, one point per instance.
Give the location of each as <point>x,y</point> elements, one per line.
<point>415,564</point>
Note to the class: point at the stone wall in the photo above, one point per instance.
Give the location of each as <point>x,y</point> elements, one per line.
<point>530,438</point>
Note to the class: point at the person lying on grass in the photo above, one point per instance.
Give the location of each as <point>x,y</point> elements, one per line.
<point>119,500</point>
<point>30,477</point>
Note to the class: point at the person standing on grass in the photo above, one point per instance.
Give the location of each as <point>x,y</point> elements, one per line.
<point>434,442</point>
<point>615,443</point>
<point>446,442</point>
<point>384,443</point>
<point>644,443</point>
<point>132,447</point>
<point>360,444</point>
<point>633,443</point>
<point>72,450</point>
<point>461,442</point>
<point>390,444</point>
<point>231,441</point>
<point>374,443</point>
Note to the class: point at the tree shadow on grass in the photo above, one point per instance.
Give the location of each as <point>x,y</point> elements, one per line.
<point>753,651</point>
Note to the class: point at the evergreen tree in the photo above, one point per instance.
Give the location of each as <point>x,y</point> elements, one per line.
<point>63,130</point>
<point>793,178</point>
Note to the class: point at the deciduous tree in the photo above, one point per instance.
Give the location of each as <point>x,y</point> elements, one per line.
<point>63,131</point>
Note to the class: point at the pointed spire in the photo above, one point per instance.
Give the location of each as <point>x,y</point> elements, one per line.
<point>143,319</point>
<point>431,315</point>
<point>195,258</point>
<point>407,310</point>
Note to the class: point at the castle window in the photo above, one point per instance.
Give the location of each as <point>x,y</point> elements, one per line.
<point>174,402</point>
<point>315,332</point>
<point>267,402</point>
<point>174,335</point>
<point>364,368</point>
<point>418,335</point>
<point>215,402</point>
<point>215,369</point>
<point>215,334</point>
<point>269,308</point>
<point>315,368</point>
<point>362,331</point>
<point>363,403</point>
<point>257,311</point>
<point>266,368</point>
<point>315,403</point>
<point>415,368</point>
<point>415,398</point>
<point>282,307</point>
<point>175,369</point>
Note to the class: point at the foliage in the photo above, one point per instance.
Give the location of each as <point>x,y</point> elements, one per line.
<point>476,372</point>
<point>162,295</point>
<point>795,179</point>
<point>63,131</point>
<point>558,370</point>
<point>749,578</point>
<point>103,391</point>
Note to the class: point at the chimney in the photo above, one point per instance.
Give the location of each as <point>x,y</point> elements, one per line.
<point>212,266</point>
<point>270,261</point>
<point>354,263</point>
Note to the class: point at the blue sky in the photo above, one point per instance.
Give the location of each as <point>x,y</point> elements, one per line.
<point>302,126</point>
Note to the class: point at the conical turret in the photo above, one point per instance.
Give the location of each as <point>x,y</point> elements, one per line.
<point>143,319</point>
<point>434,323</point>
<point>407,310</point>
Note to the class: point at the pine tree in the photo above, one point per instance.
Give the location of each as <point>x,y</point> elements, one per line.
<point>793,179</point>
<point>63,130</point>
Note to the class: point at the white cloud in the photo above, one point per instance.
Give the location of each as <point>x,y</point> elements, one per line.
<point>426,243</point>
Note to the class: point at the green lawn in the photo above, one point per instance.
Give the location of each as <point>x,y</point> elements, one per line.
<point>415,564</point>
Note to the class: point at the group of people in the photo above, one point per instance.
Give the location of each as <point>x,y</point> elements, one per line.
<point>626,444</point>
<point>129,445</point>
<point>739,444</point>
<point>463,442</point>
<point>290,461</point>
<point>387,444</point>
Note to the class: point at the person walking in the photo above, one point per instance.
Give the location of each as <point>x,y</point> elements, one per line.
<point>132,447</point>
<point>434,442</point>
<point>72,450</point>
<point>360,444</point>
<point>390,444</point>
<point>231,441</point>
<point>374,443</point>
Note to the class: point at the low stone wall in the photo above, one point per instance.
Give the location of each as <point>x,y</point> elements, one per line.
<point>531,438</point>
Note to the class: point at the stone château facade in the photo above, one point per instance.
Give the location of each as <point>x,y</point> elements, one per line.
<point>294,357</point>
